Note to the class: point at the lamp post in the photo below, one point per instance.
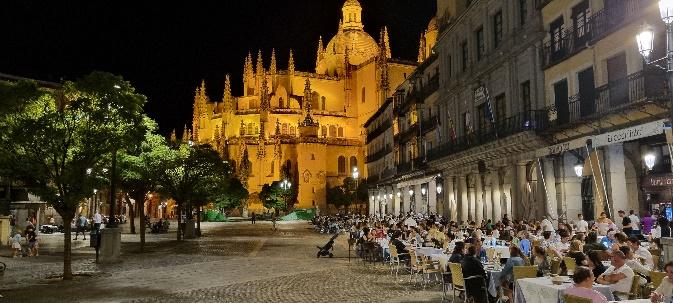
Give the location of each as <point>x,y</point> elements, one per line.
<point>356,175</point>
<point>412,203</point>
<point>650,161</point>
<point>439,196</point>
<point>579,169</point>
<point>285,185</point>
<point>645,41</point>
<point>427,201</point>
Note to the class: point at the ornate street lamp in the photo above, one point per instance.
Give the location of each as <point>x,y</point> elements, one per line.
<point>439,189</point>
<point>427,201</point>
<point>650,160</point>
<point>579,169</point>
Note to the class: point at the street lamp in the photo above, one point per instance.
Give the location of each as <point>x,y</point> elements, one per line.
<point>439,189</point>
<point>285,185</point>
<point>649,161</point>
<point>579,168</point>
<point>645,41</point>
<point>427,201</point>
<point>412,202</point>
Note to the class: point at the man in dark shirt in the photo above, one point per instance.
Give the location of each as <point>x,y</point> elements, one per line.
<point>626,223</point>
<point>401,248</point>
<point>472,267</point>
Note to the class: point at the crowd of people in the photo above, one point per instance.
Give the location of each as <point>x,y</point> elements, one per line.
<point>626,242</point>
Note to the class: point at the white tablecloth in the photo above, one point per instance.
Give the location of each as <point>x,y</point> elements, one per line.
<point>440,257</point>
<point>428,251</point>
<point>535,290</point>
<point>503,250</point>
<point>493,282</point>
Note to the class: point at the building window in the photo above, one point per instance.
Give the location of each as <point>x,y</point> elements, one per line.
<point>332,131</point>
<point>342,165</point>
<point>482,120</point>
<point>292,132</point>
<point>280,103</point>
<point>312,156</point>
<point>363,96</point>
<point>323,129</point>
<point>354,162</point>
<point>500,110</point>
<point>464,54</point>
<point>283,129</point>
<point>272,167</point>
<point>341,132</point>
<point>525,97</point>
<point>323,102</point>
<point>497,29</point>
<point>523,12</point>
<point>479,36</point>
<point>251,129</point>
<point>581,20</point>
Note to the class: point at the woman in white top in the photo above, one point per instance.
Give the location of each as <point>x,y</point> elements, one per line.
<point>603,224</point>
<point>664,292</point>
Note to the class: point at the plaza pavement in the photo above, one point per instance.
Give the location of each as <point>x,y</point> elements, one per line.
<point>232,262</point>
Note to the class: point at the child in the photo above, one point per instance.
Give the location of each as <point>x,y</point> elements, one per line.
<point>16,245</point>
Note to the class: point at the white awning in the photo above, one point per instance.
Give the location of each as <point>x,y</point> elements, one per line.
<point>628,134</point>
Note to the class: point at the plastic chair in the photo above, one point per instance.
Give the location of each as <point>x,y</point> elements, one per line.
<point>459,281</point>
<point>570,263</point>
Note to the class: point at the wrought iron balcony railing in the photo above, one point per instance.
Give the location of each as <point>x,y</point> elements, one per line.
<point>379,130</point>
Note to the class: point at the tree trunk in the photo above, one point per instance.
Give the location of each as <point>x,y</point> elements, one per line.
<point>198,221</point>
<point>179,222</point>
<point>131,213</point>
<point>141,217</point>
<point>67,247</point>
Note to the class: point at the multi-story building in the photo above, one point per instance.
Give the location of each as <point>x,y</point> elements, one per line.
<point>260,131</point>
<point>468,115</point>
<point>600,92</point>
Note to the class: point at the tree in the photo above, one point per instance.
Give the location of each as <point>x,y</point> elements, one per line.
<point>231,196</point>
<point>55,137</point>
<point>138,168</point>
<point>337,197</point>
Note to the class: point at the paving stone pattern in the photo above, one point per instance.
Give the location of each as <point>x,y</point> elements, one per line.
<point>232,262</point>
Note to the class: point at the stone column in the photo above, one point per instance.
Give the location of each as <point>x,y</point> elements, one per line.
<point>449,198</point>
<point>464,202</point>
<point>488,202</point>
<point>615,173</point>
<point>506,194</point>
<point>479,199</point>
<point>471,195</point>
<point>418,198</point>
<point>406,199</point>
<point>396,201</point>
<point>497,200</point>
<point>519,192</point>
<point>432,196</point>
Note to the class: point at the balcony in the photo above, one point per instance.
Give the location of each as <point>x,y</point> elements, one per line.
<point>379,130</point>
<point>526,121</point>
<point>407,134</point>
<point>637,88</point>
<point>379,154</point>
<point>572,40</point>
<point>403,104</point>
<point>429,124</point>
<point>430,87</point>
<point>403,167</point>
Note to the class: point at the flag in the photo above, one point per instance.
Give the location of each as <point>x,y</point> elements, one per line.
<point>439,130</point>
<point>452,128</point>
<point>488,111</point>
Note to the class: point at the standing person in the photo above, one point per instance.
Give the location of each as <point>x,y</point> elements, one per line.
<point>603,224</point>
<point>648,222</point>
<point>273,220</point>
<point>98,219</point>
<point>16,245</point>
<point>626,223</point>
<point>635,222</point>
<point>81,224</point>
<point>581,225</point>
<point>31,236</point>
<point>253,218</point>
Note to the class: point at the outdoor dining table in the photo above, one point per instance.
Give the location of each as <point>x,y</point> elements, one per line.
<point>428,251</point>
<point>541,289</point>
<point>501,249</point>
<point>493,281</point>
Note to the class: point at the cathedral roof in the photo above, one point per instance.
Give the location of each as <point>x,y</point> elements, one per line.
<point>433,24</point>
<point>361,46</point>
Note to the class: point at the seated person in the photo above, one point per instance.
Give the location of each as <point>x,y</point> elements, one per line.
<point>608,240</point>
<point>591,243</point>
<point>402,251</point>
<point>664,293</point>
<point>595,264</point>
<point>458,253</point>
<point>576,253</point>
<point>540,259</point>
<point>472,267</point>
<point>635,264</point>
<point>641,252</point>
<point>583,286</point>
<point>618,276</point>
<point>516,258</point>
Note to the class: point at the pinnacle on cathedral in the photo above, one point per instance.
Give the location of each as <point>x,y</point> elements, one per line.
<point>226,97</point>
<point>247,68</point>
<point>272,67</point>
<point>308,120</point>
<point>320,53</point>
<point>290,64</point>
<point>265,103</point>
<point>259,68</point>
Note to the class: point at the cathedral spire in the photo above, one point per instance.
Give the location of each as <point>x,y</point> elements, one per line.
<point>259,69</point>
<point>226,97</point>
<point>272,67</point>
<point>290,64</point>
<point>185,135</point>
<point>421,49</point>
<point>386,42</point>
<point>320,54</point>
<point>173,137</point>
<point>247,67</point>
<point>308,120</point>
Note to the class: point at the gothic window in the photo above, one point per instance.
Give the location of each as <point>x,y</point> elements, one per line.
<point>272,167</point>
<point>251,129</point>
<point>323,130</point>
<point>332,131</point>
<point>281,104</point>
<point>363,95</point>
<point>256,129</point>
<point>312,156</point>
<point>283,129</point>
<point>341,132</point>
<point>292,132</point>
<point>323,103</point>
<point>314,100</point>
<point>342,165</point>
<point>354,162</point>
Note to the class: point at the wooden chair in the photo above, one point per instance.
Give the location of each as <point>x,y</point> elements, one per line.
<point>656,259</point>
<point>574,299</point>
<point>570,263</point>
<point>521,272</point>
<point>657,277</point>
<point>429,268</point>
<point>459,281</point>
<point>447,278</point>
<point>555,265</point>
<point>490,254</point>
<point>415,265</point>
<point>394,261</point>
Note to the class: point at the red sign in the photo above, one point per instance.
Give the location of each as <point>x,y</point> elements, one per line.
<point>658,181</point>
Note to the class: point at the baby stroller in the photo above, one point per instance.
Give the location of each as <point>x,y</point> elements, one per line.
<point>325,250</point>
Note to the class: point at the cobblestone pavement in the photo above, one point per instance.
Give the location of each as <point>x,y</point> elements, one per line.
<point>232,262</point>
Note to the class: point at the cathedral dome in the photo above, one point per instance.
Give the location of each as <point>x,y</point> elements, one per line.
<point>361,46</point>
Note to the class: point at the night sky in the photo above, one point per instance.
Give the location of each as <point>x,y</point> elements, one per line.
<point>165,49</point>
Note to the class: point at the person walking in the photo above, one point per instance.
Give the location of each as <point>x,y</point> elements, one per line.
<point>31,236</point>
<point>97,220</point>
<point>273,220</point>
<point>81,224</point>
<point>16,245</point>
<point>253,218</point>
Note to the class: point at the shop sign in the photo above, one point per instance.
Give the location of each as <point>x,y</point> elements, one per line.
<point>561,147</point>
<point>658,181</point>
<point>628,134</point>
